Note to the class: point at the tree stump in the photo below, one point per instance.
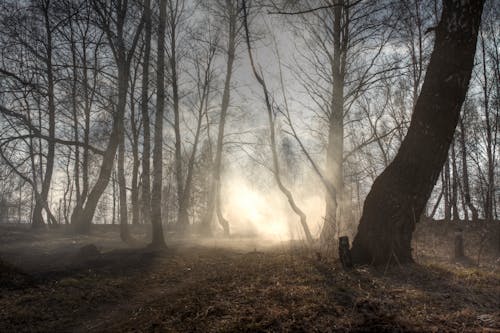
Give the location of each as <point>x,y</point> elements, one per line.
<point>459,244</point>
<point>345,252</point>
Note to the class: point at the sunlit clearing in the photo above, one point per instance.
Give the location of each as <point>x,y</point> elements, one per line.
<point>266,214</point>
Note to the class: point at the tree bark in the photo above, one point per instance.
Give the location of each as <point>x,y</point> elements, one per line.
<point>400,193</point>
<point>447,192</point>
<point>124,232</point>
<point>182,215</point>
<point>488,205</point>
<point>454,184</point>
<point>134,141</point>
<point>158,240</point>
<point>465,170</point>
<point>335,148</point>
<point>146,148</point>
<point>49,167</point>
<point>186,198</point>
<point>214,203</point>
<point>272,137</point>
<point>123,57</point>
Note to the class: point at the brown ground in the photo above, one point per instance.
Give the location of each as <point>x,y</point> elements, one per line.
<point>235,285</point>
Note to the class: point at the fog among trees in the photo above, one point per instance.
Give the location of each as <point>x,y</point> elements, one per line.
<point>233,141</point>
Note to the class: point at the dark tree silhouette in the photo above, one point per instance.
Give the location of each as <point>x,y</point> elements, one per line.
<point>158,241</point>
<point>398,196</point>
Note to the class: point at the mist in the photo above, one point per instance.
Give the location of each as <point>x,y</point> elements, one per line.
<point>249,166</point>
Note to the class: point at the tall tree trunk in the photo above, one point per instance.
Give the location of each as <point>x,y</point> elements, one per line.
<point>272,137</point>
<point>49,167</point>
<point>186,198</point>
<point>465,171</point>
<point>447,192</point>
<point>135,167</point>
<point>158,240</point>
<point>123,58</point>
<point>182,212</point>
<point>74,109</point>
<point>86,140</point>
<point>488,205</point>
<point>124,232</point>
<point>173,19</point>
<point>113,213</point>
<point>87,108</point>
<point>335,147</point>
<point>146,149</point>
<point>215,184</point>
<point>454,184</point>
<point>84,219</point>
<point>134,143</point>
<point>400,193</point>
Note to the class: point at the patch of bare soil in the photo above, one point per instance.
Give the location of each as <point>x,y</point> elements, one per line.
<point>220,287</point>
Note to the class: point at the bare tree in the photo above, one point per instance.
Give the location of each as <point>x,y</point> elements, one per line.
<point>229,13</point>
<point>112,19</point>
<point>146,148</point>
<point>156,205</point>
<point>272,136</point>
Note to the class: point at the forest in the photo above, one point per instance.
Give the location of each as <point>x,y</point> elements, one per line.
<point>249,166</point>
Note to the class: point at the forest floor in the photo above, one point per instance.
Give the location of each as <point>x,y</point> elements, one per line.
<point>233,285</point>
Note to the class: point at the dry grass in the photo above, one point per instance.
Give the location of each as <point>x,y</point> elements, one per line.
<point>216,288</point>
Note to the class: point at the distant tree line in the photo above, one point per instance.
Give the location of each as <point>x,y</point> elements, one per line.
<point>131,112</point>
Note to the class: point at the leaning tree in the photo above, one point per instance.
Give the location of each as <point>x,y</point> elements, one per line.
<point>398,196</point>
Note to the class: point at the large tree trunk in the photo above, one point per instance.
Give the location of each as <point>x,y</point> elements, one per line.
<point>158,241</point>
<point>399,194</point>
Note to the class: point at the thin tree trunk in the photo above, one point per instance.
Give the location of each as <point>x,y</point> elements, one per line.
<point>83,221</point>
<point>134,138</point>
<point>454,184</point>
<point>436,205</point>
<point>186,199</point>
<point>113,213</point>
<point>182,212</point>
<point>158,241</point>
<point>124,232</point>
<point>49,166</point>
<point>447,192</point>
<point>488,206</point>
<point>214,202</point>
<point>146,149</point>
<point>465,170</point>
<point>123,58</point>
<point>74,108</point>
<point>272,136</point>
